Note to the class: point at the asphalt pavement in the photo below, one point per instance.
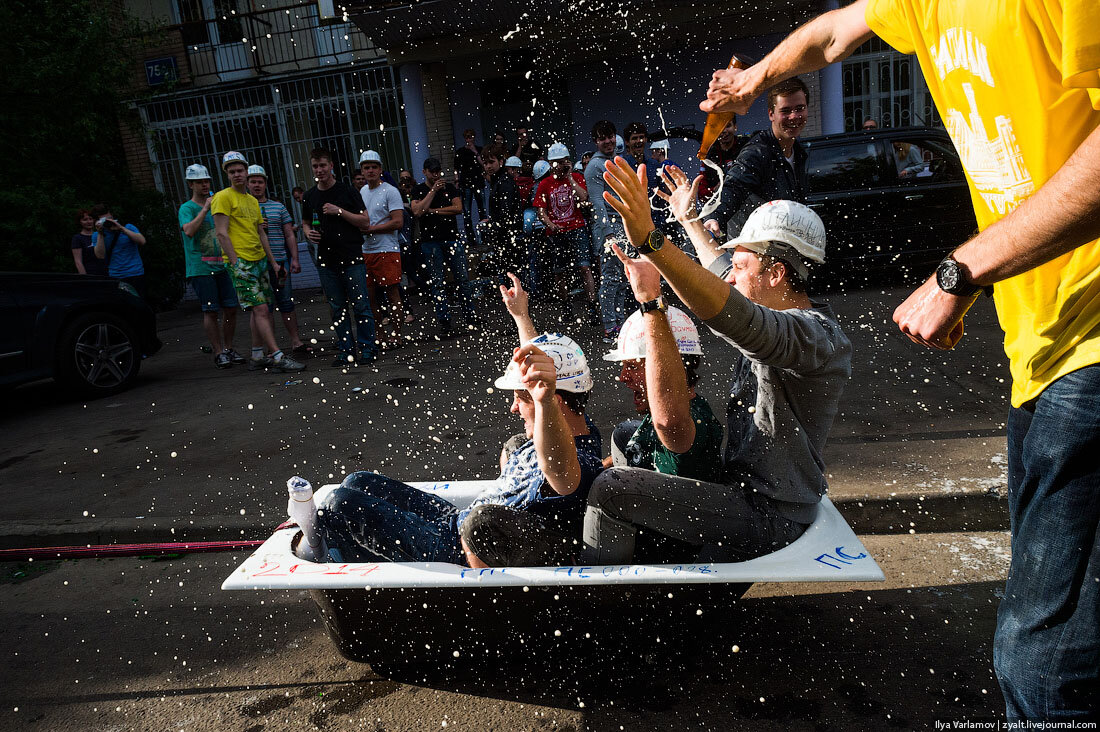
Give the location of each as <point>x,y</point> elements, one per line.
<point>916,464</point>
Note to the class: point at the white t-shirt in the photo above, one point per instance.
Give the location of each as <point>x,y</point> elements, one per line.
<point>380,203</point>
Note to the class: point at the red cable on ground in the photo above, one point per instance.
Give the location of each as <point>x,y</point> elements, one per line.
<point>92,551</point>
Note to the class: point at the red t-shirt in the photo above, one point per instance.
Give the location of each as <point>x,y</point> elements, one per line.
<point>526,186</point>
<point>556,196</point>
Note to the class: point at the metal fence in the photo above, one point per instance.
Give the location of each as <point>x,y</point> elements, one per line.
<point>275,125</point>
<point>888,86</point>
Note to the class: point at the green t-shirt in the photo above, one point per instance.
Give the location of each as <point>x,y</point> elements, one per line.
<point>201,252</point>
<point>702,461</point>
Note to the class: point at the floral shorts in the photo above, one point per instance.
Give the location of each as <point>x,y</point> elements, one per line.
<point>251,282</point>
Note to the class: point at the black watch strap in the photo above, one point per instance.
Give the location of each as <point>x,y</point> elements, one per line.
<point>651,305</point>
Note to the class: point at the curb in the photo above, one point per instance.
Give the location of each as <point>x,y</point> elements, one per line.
<point>867,515</point>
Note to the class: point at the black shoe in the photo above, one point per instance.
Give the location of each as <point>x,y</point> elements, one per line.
<point>343,360</point>
<point>446,330</point>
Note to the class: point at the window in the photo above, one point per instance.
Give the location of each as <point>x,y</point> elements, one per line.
<point>852,166</point>
<point>886,86</point>
<point>192,23</point>
<point>919,161</point>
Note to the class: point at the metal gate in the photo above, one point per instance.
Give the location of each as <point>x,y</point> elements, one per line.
<point>888,86</point>
<point>275,125</point>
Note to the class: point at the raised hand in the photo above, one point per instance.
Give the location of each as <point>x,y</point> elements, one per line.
<point>515,298</point>
<point>682,195</point>
<point>537,372</point>
<point>631,199</point>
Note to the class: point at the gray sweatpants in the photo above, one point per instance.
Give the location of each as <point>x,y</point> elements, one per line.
<point>725,523</point>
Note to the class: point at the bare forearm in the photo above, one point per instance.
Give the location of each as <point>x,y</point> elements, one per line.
<point>359,220</point>
<point>1062,215</point>
<point>78,260</point>
<point>826,39</point>
<point>446,210</point>
<point>704,293</point>
<point>526,328</point>
<point>291,241</point>
<point>556,450</point>
<point>192,227</point>
<point>666,385</point>
<point>136,237</point>
<point>705,245</point>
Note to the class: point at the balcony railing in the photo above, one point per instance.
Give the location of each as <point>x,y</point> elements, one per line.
<point>243,45</point>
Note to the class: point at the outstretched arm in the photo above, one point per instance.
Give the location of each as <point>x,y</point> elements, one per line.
<point>824,40</point>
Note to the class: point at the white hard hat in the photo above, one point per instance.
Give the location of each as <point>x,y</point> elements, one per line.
<point>197,172</point>
<point>256,170</point>
<point>513,162</point>
<point>777,227</point>
<point>620,145</point>
<point>370,156</point>
<point>541,169</point>
<point>579,166</point>
<point>233,157</point>
<point>569,362</point>
<point>660,145</point>
<point>557,151</point>
<point>630,345</point>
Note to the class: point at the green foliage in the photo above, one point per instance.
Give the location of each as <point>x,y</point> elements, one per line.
<point>67,73</point>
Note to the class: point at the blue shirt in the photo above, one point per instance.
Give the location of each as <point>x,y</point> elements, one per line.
<point>122,253</point>
<point>522,485</point>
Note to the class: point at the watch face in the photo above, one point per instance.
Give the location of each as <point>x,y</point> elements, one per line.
<point>949,276</point>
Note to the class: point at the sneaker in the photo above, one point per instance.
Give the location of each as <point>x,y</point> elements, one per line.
<point>286,363</point>
<point>262,363</point>
<point>235,357</point>
<point>610,336</point>
<point>341,361</point>
<point>223,361</point>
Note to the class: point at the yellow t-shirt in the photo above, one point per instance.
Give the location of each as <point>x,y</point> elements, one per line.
<point>1017,85</point>
<point>243,211</point>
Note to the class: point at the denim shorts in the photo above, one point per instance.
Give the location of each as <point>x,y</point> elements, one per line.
<point>284,303</point>
<point>215,291</point>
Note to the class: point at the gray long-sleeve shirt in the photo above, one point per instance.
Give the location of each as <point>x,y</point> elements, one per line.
<point>605,221</point>
<point>784,396</point>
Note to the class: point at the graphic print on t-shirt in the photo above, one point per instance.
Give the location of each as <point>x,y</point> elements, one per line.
<point>995,164</point>
<point>561,203</point>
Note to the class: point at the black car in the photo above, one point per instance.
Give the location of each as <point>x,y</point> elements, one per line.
<point>89,333</point>
<point>893,201</point>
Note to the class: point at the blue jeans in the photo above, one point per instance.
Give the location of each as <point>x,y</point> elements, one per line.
<point>439,255</point>
<point>346,287</point>
<point>469,196</point>
<point>371,517</point>
<point>615,293</point>
<point>1046,651</point>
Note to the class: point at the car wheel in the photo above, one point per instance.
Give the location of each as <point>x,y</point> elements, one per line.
<point>98,354</point>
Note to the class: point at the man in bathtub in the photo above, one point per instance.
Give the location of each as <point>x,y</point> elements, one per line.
<point>543,482</point>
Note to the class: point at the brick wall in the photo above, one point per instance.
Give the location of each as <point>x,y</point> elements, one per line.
<point>437,115</point>
<point>137,152</point>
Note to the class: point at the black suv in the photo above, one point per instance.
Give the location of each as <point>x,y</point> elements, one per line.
<point>894,202</point>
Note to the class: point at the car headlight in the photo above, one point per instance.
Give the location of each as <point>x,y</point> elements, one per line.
<point>127,287</point>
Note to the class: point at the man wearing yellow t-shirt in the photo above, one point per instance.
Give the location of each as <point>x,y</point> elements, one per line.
<point>240,229</point>
<point>1017,85</point>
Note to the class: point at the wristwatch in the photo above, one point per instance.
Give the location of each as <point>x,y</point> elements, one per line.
<point>952,279</point>
<point>659,304</point>
<point>652,243</point>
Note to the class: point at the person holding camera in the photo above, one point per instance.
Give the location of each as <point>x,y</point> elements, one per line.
<point>118,245</point>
